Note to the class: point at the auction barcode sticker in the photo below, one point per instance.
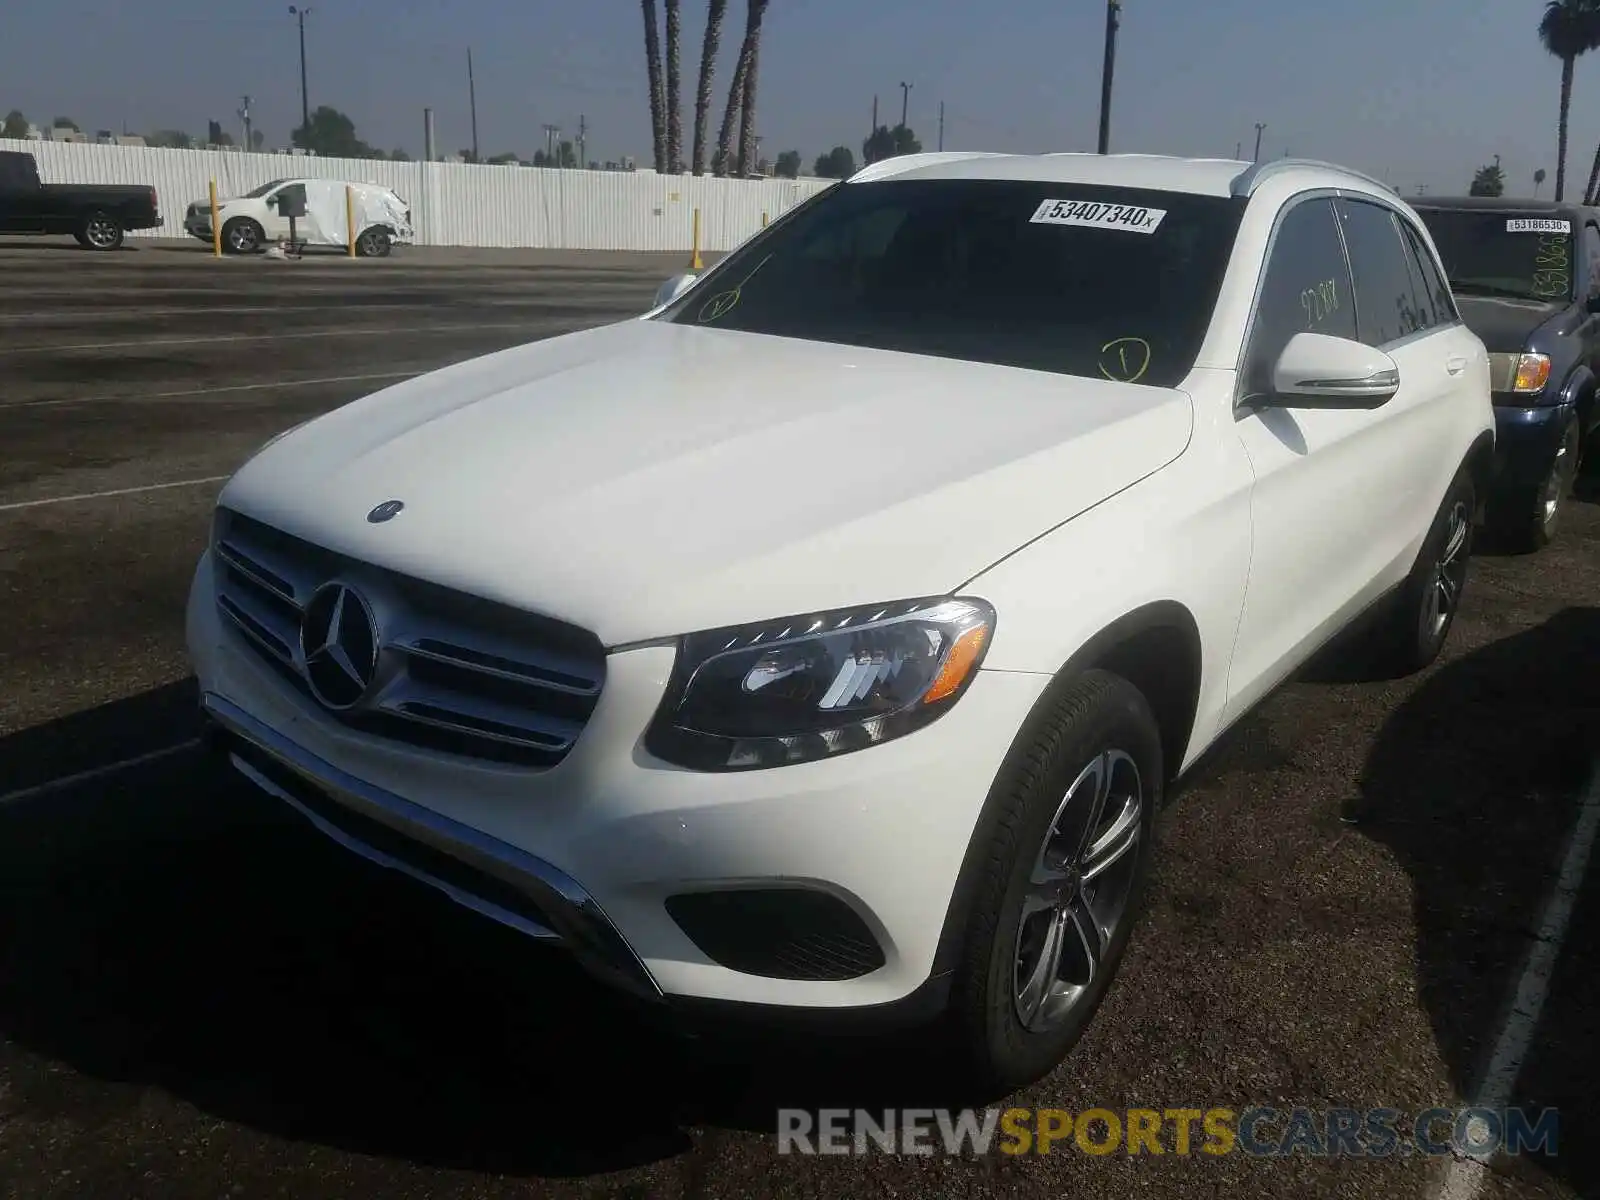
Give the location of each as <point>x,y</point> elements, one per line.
<point>1533,225</point>
<point>1129,218</point>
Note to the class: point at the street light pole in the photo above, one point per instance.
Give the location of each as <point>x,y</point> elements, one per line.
<point>905,102</point>
<point>1260,127</point>
<point>305,104</point>
<point>1113,13</point>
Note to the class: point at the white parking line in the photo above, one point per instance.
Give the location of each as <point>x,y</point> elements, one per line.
<point>211,391</point>
<point>128,491</point>
<point>1466,1178</point>
<point>67,781</point>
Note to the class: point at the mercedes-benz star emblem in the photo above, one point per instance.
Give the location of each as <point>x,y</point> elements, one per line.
<point>386,511</point>
<point>339,639</point>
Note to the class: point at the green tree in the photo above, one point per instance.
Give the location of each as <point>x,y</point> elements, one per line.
<point>837,163</point>
<point>1488,180</point>
<point>500,160</point>
<point>789,164</point>
<point>747,102</point>
<point>15,126</point>
<point>889,143</point>
<point>398,155</point>
<point>566,155</point>
<point>658,89</point>
<point>65,123</point>
<point>216,135</point>
<point>1538,180</point>
<point>331,134</point>
<point>172,139</point>
<point>708,66</point>
<point>1568,29</point>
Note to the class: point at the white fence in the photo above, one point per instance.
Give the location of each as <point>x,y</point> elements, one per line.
<point>457,204</point>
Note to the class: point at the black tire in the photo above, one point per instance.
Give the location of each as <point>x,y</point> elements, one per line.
<point>1083,723</point>
<point>242,235</point>
<point>100,231</point>
<point>1423,611</point>
<point>374,243</point>
<point>1527,523</point>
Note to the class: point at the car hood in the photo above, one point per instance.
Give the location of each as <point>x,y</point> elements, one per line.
<point>646,479</point>
<point>1502,323</point>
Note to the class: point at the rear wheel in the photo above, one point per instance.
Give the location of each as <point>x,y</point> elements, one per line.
<point>1424,610</point>
<point>1062,879</point>
<point>1532,520</point>
<point>100,231</point>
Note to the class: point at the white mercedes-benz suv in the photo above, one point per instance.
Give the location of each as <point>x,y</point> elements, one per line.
<point>825,640</point>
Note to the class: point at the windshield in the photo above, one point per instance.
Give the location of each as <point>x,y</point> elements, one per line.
<point>263,190</point>
<point>1102,282</point>
<point>1500,253</point>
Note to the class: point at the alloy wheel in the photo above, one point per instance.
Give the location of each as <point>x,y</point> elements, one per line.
<point>1078,891</point>
<point>1449,574</point>
<point>101,232</point>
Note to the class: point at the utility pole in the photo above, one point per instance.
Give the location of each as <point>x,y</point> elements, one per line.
<point>941,125</point>
<point>905,102</point>
<point>1238,151</point>
<point>550,132</point>
<point>1113,13</point>
<point>583,144</point>
<point>427,135</point>
<point>1260,128</point>
<point>305,104</point>
<point>472,95</point>
<point>244,116</point>
<point>874,128</point>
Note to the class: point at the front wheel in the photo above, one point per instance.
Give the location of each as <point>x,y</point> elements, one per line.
<point>374,243</point>
<point>1532,521</point>
<point>1062,878</point>
<point>242,236</point>
<point>100,231</point>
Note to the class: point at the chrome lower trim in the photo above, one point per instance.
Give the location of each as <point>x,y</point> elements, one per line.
<point>576,921</point>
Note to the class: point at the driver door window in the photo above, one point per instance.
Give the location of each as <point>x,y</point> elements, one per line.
<point>1306,289</point>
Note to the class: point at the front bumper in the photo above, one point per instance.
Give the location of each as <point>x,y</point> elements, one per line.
<point>587,854</point>
<point>1525,443</point>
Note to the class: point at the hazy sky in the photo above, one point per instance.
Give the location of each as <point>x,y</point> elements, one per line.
<point>1417,91</point>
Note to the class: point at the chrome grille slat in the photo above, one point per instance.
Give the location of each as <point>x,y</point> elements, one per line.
<point>456,673</point>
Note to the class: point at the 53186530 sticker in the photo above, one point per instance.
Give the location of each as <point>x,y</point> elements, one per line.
<point>1129,218</point>
<point>1537,225</point>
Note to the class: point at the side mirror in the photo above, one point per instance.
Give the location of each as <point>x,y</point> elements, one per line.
<point>673,288</point>
<point>1318,371</point>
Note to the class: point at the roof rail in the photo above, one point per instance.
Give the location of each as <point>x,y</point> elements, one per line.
<point>900,163</point>
<point>1246,182</point>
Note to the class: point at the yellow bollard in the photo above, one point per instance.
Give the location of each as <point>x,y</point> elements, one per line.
<point>216,231</point>
<point>695,263</point>
<point>763,220</point>
<point>350,218</point>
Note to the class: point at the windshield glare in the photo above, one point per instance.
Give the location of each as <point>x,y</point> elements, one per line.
<point>262,190</point>
<point>1502,253</point>
<point>1106,283</point>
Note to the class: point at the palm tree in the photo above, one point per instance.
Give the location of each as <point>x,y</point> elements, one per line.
<point>674,91</point>
<point>747,106</point>
<point>652,54</point>
<point>708,67</point>
<point>724,158</point>
<point>1567,29</point>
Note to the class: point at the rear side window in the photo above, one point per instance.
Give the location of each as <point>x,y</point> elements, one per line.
<point>1386,305</point>
<point>1444,304</point>
<point>1591,249</point>
<point>1306,290</point>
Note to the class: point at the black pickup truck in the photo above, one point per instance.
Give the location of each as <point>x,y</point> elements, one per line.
<point>1526,278</point>
<point>96,214</point>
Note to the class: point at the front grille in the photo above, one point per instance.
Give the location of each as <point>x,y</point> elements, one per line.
<point>455,674</point>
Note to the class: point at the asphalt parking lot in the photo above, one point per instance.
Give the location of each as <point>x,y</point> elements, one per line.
<point>199,998</point>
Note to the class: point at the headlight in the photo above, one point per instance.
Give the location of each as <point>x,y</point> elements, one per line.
<point>1533,372</point>
<point>803,688</point>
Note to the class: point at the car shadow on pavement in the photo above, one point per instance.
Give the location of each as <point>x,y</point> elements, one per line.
<point>167,926</point>
<point>1472,784</point>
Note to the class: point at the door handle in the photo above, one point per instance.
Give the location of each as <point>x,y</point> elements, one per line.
<point>1455,365</point>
